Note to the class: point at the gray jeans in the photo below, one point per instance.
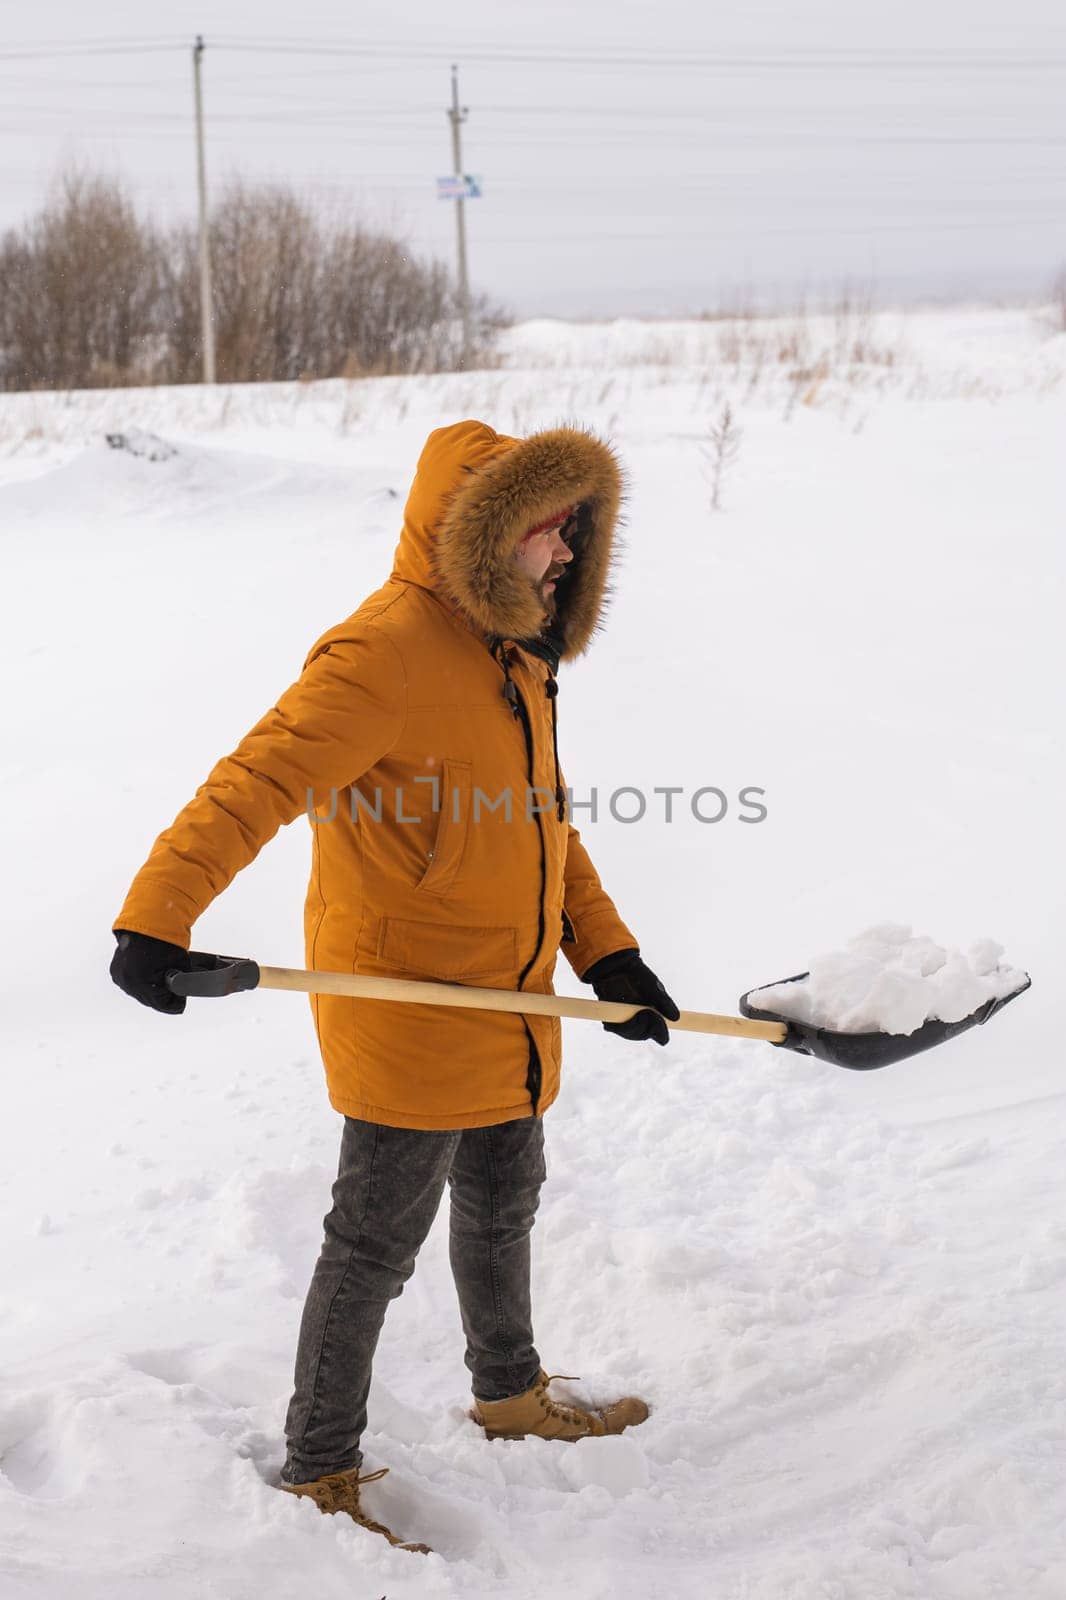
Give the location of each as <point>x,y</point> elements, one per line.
<point>388,1190</point>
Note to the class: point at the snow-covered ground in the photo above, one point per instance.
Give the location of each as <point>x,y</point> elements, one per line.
<point>842,1294</point>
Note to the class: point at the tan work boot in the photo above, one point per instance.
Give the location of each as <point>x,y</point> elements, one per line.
<point>535,1412</point>
<point>339,1491</point>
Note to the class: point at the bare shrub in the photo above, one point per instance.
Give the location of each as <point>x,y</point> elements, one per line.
<point>264,284</point>
<point>393,313</point>
<point>300,295</point>
<point>79,292</point>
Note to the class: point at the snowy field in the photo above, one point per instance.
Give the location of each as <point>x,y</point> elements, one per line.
<point>842,1294</point>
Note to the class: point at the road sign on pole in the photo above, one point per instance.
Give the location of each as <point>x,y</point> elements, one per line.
<point>465,187</point>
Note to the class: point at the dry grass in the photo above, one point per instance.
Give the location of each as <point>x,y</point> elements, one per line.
<point>819,367</point>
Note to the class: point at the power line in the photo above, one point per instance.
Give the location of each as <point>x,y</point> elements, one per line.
<point>357,120</point>
<point>871,230</point>
<point>946,59</point>
<point>721,116</point>
<point>732,64</point>
<point>101,39</point>
<point>640,56</point>
<point>59,51</point>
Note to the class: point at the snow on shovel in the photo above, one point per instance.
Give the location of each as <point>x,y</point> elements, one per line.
<point>215,976</point>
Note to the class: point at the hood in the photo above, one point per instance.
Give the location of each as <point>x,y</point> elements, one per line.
<point>475,494</point>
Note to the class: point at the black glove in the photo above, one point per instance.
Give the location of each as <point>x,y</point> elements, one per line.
<point>140,965</point>
<point>624,977</point>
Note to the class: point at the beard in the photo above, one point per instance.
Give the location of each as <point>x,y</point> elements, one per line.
<point>549,596</point>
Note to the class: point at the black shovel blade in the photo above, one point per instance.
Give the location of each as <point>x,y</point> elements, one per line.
<point>864,1051</point>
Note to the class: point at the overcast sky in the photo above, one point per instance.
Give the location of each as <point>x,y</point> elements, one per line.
<point>636,157</point>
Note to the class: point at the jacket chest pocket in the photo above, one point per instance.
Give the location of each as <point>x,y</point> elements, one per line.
<point>453,823</point>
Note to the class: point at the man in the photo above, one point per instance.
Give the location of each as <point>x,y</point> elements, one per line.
<point>423,733</point>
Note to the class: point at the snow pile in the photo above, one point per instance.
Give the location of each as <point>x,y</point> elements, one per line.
<point>887,980</point>
<point>141,443</point>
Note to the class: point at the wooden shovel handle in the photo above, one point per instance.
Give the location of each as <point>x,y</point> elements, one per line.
<point>545,1005</point>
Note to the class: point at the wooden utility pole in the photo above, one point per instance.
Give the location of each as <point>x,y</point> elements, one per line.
<point>457,115</point>
<point>207,321</point>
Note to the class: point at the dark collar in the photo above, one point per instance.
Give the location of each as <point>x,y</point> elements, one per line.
<point>548,645</point>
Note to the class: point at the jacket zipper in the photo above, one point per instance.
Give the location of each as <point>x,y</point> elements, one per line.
<point>534,1078</point>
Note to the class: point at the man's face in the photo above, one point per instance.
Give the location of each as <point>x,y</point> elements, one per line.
<point>543,556</point>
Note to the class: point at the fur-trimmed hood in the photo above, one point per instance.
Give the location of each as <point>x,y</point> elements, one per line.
<point>476,492</point>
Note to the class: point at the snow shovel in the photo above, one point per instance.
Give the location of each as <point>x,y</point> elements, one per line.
<point>215,976</point>
<point>863,1051</point>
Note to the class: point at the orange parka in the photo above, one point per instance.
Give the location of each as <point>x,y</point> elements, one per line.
<point>442,846</point>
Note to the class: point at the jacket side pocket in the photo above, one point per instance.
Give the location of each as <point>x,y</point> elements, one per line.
<point>453,823</point>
